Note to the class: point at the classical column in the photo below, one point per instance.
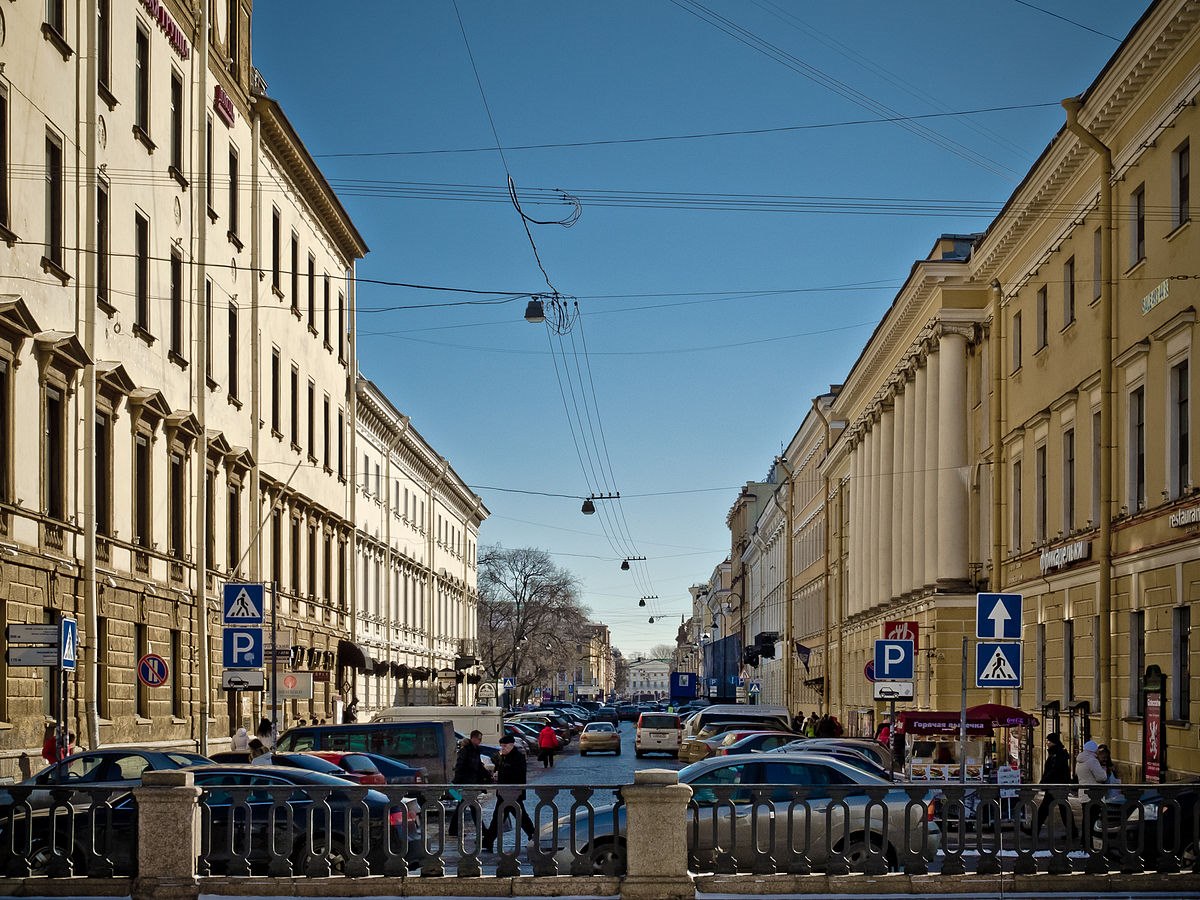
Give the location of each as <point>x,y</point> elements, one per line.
<point>900,524</point>
<point>887,432</point>
<point>952,457</point>
<point>856,520</point>
<point>932,476</point>
<point>921,514</point>
<point>908,511</point>
<point>872,534</point>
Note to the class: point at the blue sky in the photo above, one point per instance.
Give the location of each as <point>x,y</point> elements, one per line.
<point>698,372</point>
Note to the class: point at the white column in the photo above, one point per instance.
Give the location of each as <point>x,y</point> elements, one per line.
<point>872,533</point>
<point>900,524</point>
<point>887,431</point>
<point>952,456</point>
<point>908,515</point>
<point>919,511</point>
<point>932,476</point>
<point>858,495</point>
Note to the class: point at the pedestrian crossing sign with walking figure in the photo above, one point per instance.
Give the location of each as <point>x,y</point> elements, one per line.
<point>997,665</point>
<point>242,604</point>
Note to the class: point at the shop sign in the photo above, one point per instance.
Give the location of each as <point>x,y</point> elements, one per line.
<point>1152,749</point>
<point>167,25</point>
<point>1185,517</point>
<point>1160,293</point>
<point>1061,557</point>
<point>223,104</point>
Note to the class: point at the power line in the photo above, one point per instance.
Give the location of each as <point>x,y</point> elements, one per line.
<point>1069,21</point>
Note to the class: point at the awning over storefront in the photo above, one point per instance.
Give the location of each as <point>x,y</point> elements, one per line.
<point>1001,716</point>
<point>354,656</point>
<point>916,722</point>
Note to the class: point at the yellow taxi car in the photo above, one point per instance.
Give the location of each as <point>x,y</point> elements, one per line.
<point>599,737</point>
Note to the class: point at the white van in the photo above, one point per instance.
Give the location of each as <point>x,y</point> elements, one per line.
<point>771,716</point>
<point>465,719</point>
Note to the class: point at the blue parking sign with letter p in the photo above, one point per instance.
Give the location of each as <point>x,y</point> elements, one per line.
<point>894,660</point>
<point>243,648</point>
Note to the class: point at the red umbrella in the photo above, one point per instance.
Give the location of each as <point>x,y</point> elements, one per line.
<point>1001,716</point>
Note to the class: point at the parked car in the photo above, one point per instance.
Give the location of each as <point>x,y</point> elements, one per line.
<point>873,750</point>
<point>736,742</point>
<point>600,737</point>
<point>358,766</point>
<point>716,794</point>
<point>396,772</point>
<point>698,746</point>
<point>606,714</point>
<point>628,712</point>
<point>657,732</point>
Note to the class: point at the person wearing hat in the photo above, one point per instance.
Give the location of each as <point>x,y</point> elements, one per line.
<point>1088,768</point>
<point>511,768</point>
<point>1056,771</point>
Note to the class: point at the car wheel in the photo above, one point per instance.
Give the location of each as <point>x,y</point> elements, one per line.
<point>337,856</point>
<point>857,852</point>
<point>608,857</point>
<point>1187,857</point>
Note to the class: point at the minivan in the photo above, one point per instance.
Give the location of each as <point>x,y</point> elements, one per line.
<point>484,719</point>
<point>430,745</point>
<point>657,732</point>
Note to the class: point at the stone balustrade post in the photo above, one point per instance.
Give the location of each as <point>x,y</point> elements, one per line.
<point>656,824</point>
<point>168,817</point>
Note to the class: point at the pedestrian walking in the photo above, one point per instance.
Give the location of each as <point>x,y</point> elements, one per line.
<point>511,768</point>
<point>265,732</point>
<point>1088,768</point>
<point>468,769</point>
<point>52,751</point>
<point>547,746</point>
<point>350,713</point>
<point>241,740</point>
<point>1056,771</point>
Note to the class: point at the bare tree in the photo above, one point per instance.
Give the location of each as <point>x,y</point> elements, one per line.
<point>620,671</point>
<point>531,623</point>
<point>664,652</point>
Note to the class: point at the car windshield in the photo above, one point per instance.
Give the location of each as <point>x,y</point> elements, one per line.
<point>599,728</point>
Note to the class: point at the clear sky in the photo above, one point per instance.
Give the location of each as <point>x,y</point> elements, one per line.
<point>723,279</point>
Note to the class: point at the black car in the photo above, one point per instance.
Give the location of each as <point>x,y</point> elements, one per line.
<point>628,712</point>
<point>605,714</point>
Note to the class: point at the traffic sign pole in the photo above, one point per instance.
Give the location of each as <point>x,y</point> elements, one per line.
<point>275,666</point>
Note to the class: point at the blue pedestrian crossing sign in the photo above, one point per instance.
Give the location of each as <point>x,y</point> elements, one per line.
<point>68,644</point>
<point>242,604</point>
<point>509,683</point>
<point>243,648</point>
<point>894,660</point>
<point>998,617</point>
<point>997,664</point>
<point>755,687</point>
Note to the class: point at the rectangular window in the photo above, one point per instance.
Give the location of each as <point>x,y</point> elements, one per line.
<point>1137,225</point>
<point>327,568</point>
<point>208,332</point>
<point>295,548</point>
<point>276,378</point>
<point>277,546</point>
<point>312,420</point>
<point>103,474</point>
<point>366,475</point>
<point>1068,292</point>
<point>275,249</point>
<point>295,273</point>
<point>1097,263</point>
<point>325,442</point>
<point>56,455</point>
<point>1137,449</point>
<point>1069,480</point>
<point>141,81</point>
<point>141,244</point>
<point>1068,661</point>
<point>3,157</point>
<point>5,426</point>
<point>208,169</point>
<point>1137,659</point>
<point>1016,506</point>
<point>1096,467</point>
<point>325,313</point>
<point>177,681</point>
<point>210,518</point>
<point>142,521</point>
<point>1041,318</point>
<point>103,44</point>
<point>341,326</point>
<point>312,292</point>
<point>233,190</point>
<point>233,35</point>
<point>177,486</point>
<point>341,575</point>
<point>103,706</point>
<point>233,526</point>
<point>341,444</point>
<point>1181,654</point>
<point>56,15</point>
<point>295,420</point>
<point>1039,490</point>
<point>232,353</point>
<point>1180,437</point>
<point>1016,341</point>
<point>102,245</point>
<point>312,562</point>
<point>1181,166</point>
<point>54,200</point>
<point>177,122</point>
<point>141,642</point>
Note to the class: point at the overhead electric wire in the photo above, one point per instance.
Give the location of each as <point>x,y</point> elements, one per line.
<point>1069,21</point>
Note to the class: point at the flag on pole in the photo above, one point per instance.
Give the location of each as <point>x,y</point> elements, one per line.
<point>804,653</point>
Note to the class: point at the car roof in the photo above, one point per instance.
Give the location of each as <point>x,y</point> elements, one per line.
<point>836,762</point>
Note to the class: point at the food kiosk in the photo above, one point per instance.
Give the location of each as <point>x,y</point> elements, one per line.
<point>935,750</point>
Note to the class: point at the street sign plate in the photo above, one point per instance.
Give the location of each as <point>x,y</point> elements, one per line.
<point>242,648</point>
<point>755,687</point>
<point>894,690</point>
<point>998,617</point>
<point>33,656</point>
<point>510,683</point>
<point>487,691</point>
<point>894,660</point>
<point>283,639</point>
<point>242,680</point>
<point>295,686</point>
<point>46,635</point>
<point>153,670</point>
<point>896,630</point>
<point>68,644</point>
<point>242,604</point>
<point>997,665</point>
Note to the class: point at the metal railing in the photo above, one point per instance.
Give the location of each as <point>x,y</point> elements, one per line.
<point>64,831</point>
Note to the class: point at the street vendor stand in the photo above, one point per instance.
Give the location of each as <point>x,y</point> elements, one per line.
<point>1013,747</point>
<point>935,750</point>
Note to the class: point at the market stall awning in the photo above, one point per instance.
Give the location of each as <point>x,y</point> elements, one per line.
<point>1001,716</point>
<point>354,656</point>
<point>917,722</point>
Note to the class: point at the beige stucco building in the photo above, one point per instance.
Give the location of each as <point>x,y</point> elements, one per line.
<point>178,402</point>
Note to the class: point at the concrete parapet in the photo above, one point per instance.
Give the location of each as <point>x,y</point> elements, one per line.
<point>656,837</point>
<point>168,817</point>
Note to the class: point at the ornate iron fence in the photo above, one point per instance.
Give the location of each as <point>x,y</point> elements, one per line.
<point>65,831</point>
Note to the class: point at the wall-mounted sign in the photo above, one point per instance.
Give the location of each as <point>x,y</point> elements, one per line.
<point>167,25</point>
<point>1185,517</point>
<point>1061,557</point>
<point>1160,293</point>
<point>223,104</point>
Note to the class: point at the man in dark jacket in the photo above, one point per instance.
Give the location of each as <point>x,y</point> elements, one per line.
<point>469,769</point>
<point>510,769</point>
<point>1056,771</point>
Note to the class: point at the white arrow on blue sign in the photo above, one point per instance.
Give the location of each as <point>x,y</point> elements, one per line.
<point>997,664</point>
<point>894,660</point>
<point>998,617</point>
<point>243,648</point>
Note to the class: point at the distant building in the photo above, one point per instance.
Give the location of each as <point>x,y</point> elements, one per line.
<point>649,678</point>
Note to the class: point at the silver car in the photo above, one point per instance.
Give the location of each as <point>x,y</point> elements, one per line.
<point>817,804</point>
